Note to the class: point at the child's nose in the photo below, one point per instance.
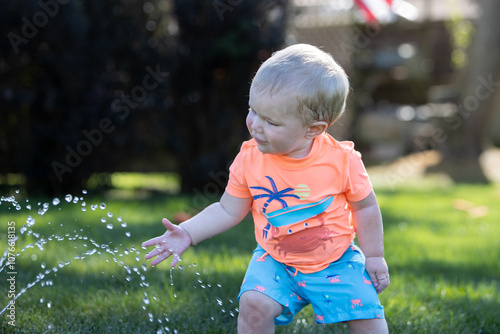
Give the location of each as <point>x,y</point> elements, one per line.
<point>256,124</point>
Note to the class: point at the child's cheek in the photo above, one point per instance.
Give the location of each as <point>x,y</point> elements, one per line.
<point>249,121</point>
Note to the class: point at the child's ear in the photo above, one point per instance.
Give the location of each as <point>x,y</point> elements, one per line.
<point>315,129</point>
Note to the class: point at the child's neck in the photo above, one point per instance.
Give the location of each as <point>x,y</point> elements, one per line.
<point>302,152</point>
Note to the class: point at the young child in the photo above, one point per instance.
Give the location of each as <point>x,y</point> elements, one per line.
<point>309,195</point>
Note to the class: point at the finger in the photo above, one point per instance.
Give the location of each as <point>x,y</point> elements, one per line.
<point>168,225</point>
<point>155,252</point>
<point>152,242</point>
<point>175,260</point>
<point>158,240</point>
<point>374,279</point>
<point>383,280</point>
<point>161,257</point>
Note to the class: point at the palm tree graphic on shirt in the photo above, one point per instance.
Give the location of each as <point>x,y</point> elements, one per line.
<point>288,215</point>
<point>273,195</point>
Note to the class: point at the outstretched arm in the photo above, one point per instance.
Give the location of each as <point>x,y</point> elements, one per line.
<point>213,220</point>
<point>369,230</point>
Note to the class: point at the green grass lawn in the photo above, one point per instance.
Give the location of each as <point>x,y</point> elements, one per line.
<point>442,248</point>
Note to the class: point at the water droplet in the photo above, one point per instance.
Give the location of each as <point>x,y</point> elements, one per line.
<point>49,304</point>
<point>124,224</point>
<point>75,200</point>
<point>145,300</point>
<point>119,219</point>
<point>56,201</point>
<point>102,206</point>
<point>103,220</point>
<point>90,252</point>
<point>109,226</point>
<point>219,301</point>
<point>127,234</point>
<point>68,198</point>
<point>42,265</point>
<point>18,207</point>
<point>30,221</point>
<point>84,191</point>
<point>109,214</point>
<point>41,300</point>
<point>93,207</point>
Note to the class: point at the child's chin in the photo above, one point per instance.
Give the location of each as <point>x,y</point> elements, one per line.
<point>264,149</point>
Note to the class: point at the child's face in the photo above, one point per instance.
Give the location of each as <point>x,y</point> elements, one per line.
<point>275,125</point>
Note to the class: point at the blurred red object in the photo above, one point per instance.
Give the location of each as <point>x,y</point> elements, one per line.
<point>181,216</point>
<point>375,10</point>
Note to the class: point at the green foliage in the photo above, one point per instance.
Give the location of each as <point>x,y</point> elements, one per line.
<point>442,256</point>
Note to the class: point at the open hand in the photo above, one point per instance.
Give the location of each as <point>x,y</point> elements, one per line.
<point>378,271</point>
<point>174,242</point>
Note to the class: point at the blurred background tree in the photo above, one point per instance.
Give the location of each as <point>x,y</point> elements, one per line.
<point>220,46</point>
<point>469,129</point>
<point>61,68</point>
<point>73,96</point>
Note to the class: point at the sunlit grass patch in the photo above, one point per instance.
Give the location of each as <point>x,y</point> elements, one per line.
<point>442,258</point>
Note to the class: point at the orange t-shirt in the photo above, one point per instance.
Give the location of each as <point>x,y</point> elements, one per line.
<point>299,207</point>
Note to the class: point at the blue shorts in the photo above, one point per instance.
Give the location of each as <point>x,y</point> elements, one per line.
<point>341,292</point>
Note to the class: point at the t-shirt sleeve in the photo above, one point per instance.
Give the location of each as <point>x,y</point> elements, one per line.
<point>358,185</point>
<point>237,186</point>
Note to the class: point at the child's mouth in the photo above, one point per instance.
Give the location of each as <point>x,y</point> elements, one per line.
<point>259,141</point>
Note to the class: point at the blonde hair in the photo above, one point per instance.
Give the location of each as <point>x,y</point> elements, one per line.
<point>319,84</point>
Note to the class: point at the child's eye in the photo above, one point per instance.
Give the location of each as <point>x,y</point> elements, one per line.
<point>271,123</point>
<point>251,110</point>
